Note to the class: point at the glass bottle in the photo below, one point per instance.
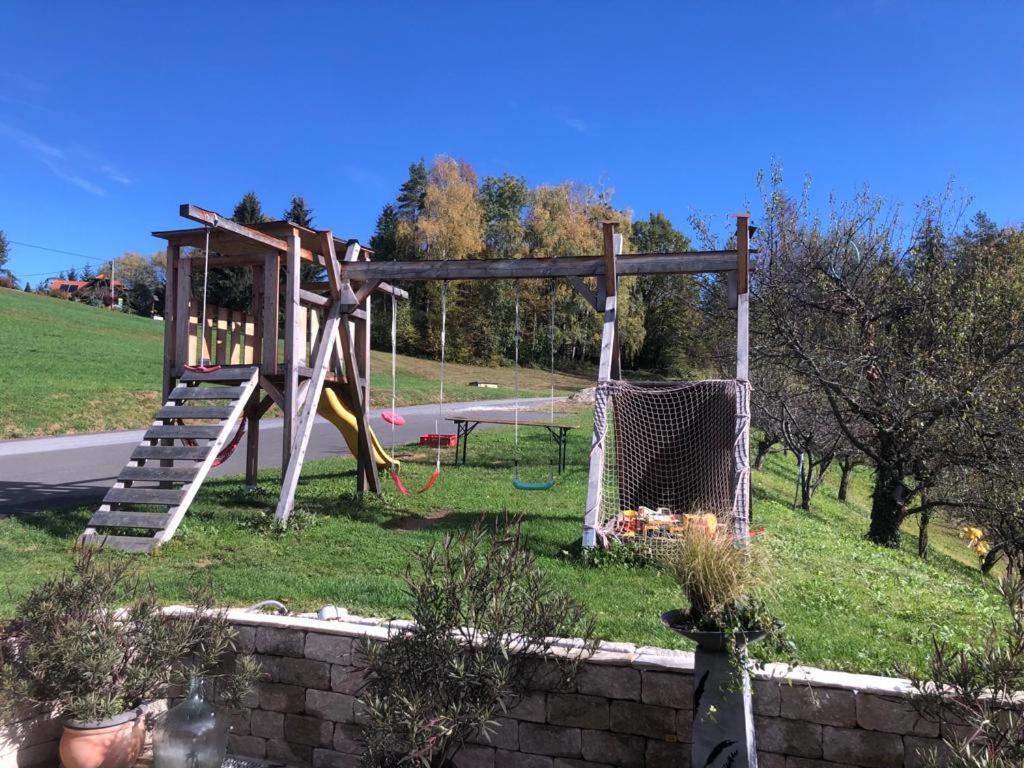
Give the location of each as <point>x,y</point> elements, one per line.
<point>194,734</point>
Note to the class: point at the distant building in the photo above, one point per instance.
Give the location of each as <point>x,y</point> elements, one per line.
<point>67,286</point>
<point>98,287</point>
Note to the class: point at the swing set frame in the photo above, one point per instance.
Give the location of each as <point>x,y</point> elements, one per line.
<point>335,353</point>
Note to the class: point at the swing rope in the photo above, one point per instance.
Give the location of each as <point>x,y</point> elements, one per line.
<point>395,478</point>
<point>519,484</point>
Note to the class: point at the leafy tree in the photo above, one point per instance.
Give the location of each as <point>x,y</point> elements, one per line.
<point>299,213</point>
<point>5,252</point>
<point>673,320</point>
<point>911,341</point>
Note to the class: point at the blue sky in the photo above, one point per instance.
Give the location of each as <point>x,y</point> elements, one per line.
<point>111,114</point>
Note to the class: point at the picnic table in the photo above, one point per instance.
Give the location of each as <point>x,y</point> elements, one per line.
<point>465,424</point>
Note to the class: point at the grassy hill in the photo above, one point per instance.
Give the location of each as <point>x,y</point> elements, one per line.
<point>847,604</point>
<point>68,367</point>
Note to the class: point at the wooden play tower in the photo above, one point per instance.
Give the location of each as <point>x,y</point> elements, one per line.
<point>305,347</point>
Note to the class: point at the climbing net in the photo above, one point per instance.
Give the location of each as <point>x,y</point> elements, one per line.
<point>675,454</point>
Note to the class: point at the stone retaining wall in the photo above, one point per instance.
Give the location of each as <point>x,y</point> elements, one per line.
<point>630,708</point>
<point>30,741</point>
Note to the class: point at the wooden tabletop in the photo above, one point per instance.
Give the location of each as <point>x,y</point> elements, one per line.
<point>511,422</point>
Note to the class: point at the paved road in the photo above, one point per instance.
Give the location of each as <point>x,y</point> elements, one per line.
<point>50,472</point>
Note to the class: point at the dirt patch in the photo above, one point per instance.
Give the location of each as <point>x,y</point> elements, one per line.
<point>418,522</point>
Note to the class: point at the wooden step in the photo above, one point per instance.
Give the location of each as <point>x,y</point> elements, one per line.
<point>206,393</point>
<point>198,412</point>
<point>166,496</point>
<point>127,543</point>
<point>224,374</point>
<point>182,432</point>
<point>171,452</point>
<point>154,520</point>
<point>156,473</point>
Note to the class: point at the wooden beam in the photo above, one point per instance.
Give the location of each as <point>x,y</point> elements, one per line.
<point>173,253</point>
<point>313,298</point>
<point>291,346</point>
<point>363,292</point>
<point>690,262</point>
<point>367,476</point>
<point>586,292</point>
<point>270,308</point>
<point>612,249</point>
<point>382,287</point>
<point>286,502</point>
<point>182,304</point>
<point>214,219</point>
<point>331,265</point>
<point>742,252</point>
<point>742,297</point>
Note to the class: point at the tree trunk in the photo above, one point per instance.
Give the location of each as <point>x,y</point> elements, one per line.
<point>888,503</point>
<point>846,468</point>
<point>922,534</point>
<point>991,558</point>
<point>764,445</point>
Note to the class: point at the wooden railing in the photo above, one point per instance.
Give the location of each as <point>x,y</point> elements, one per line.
<point>233,338</point>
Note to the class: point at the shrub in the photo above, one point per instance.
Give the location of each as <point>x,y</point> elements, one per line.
<point>485,623</point>
<point>93,642</point>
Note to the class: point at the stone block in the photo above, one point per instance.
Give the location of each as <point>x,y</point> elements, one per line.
<point>326,758</point>
<point>310,731</point>
<point>578,710</point>
<point>546,675</point>
<point>610,682</point>
<point>282,698</point>
<point>766,697</point>
<point>614,748</point>
<point>788,737</point>
<point>826,706</point>
<point>337,707</point>
<point>553,740</point>
<point>667,689</point>
<point>41,755</point>
<point>893,715</point>
<point>666,754</point>
<point>567,762</point>
<point>288,753</point>
<point>245,639</point>
<point>474,756</point>
<point>238,721</point>
<point>348,739</point>
<point>531,708</point>
<point>347,679</point>
<point>267,725</point>
<point>812,762</point>
<point>247,746</point>
<point>770,760</point>
<point>503,734</point>
<point>335,649</point>
<point>916,748</point>
<point>279,641</point>
<point>872,749</point>
<point>684,725</point>
<point>504,758</point>
<point>304,672</point>
<point>643,719</point>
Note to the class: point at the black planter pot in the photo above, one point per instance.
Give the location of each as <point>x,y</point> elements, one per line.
<point>678,621</point>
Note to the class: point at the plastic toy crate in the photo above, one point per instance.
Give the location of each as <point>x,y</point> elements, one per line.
<point>435,441</point>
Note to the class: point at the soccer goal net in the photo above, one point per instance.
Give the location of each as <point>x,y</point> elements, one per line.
<point>675,454</point>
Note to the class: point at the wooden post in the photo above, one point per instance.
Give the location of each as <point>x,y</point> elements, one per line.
<point>270,306</point>
<point>170,351</point>
<point>291,346</point>
<point>742,296</point>
<point>607,369</point>
<point>183,308</point>
<point>252,440</point>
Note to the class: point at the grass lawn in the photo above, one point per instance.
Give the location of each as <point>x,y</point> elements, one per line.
<point>68,367</point>
<point>848,604</point>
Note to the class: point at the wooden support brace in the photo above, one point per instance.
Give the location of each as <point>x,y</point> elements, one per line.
<point>588,293</point>
<point>367,476</point>
<point>308,413</point>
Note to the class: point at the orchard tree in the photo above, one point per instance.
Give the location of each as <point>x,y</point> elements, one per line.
<point>911,338</point>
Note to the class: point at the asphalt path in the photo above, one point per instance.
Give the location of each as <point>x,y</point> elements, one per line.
<point>52,472</point>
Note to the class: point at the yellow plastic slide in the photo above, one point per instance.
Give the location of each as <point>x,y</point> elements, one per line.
<point>335,409</point>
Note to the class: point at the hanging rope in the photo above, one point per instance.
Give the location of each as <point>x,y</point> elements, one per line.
<point>392,417</point>
<point>522,485</point>
<point>395,478</point>
<point>203,359</point>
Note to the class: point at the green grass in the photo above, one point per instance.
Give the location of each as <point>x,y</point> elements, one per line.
<point>67,367</point>
<point>848,604</point>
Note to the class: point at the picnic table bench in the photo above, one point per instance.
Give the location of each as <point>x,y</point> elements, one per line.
<point>465,424</point>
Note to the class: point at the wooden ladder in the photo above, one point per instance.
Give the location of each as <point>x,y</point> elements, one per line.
<point>175,456</point>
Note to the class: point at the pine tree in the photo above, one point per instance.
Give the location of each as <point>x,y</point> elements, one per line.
<point>28,287</point>
<point>413,193</point>
<point>299,213</point>
<point>5,252</point>
<point>249,210</point>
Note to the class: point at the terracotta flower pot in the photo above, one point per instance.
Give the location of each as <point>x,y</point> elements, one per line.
<point>113,743</point>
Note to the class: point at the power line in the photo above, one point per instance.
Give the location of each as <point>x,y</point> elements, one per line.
<point>56,250</point>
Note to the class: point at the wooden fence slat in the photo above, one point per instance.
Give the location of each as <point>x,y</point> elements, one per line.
<point>222,336</point>
<point>236,337</point>
<point>250,340</point>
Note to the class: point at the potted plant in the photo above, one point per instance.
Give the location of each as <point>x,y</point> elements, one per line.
<point>94,646</point>
<point>719,577</point>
